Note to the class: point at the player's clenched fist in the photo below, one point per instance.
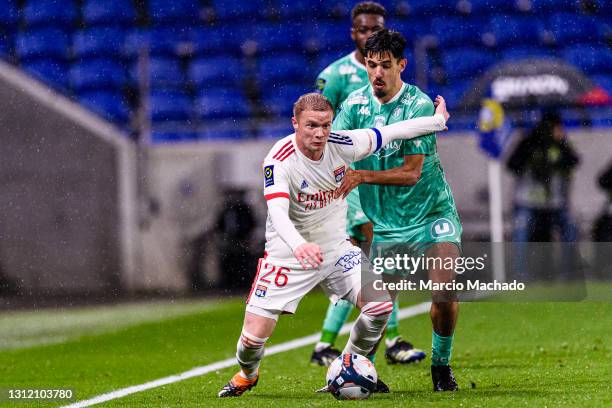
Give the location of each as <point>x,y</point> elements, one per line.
<point>440,105</point>
<point>309,255</point>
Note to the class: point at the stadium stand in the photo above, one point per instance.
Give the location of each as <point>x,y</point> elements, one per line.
<point>261,54</point>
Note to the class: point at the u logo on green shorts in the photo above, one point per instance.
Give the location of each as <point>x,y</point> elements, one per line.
<point>442,227</point>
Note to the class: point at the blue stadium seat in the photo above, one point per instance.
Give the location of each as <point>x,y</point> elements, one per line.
<point>221,104</point>
<point>216,71</point>
<point>540,6</point>
<point>119,12</point>
<point>591,58</point>
<point>299,8</point>
<point>52,72</point>
<point>168,105</point>
<point>110,105</point>
<point>97,74</point>
<point>452,93</point>
<point>173,137</point>
<point>489,7</point>
<point>135,41</point>
<point>466,63</point>
<point>231,9</point>
<point>229,132</point>
<point>46,42</point>
<point>428,8</point>
<point>171,41</point>
<point>98,42</point>
<point>50,12</point>
<point>272,37</point>
<point>526,51</point>
<point>326,37</point>
<point>411,29</point>
<point>284,68</point>
<point>279,100</point>
<point>165,72</point>
<point>209,41</point>
<point>511,30</point>
<point>572,28</point>
<point>605,81</point>
<point>456,31</point>
<point>9,14</point>
<point>179,11</point>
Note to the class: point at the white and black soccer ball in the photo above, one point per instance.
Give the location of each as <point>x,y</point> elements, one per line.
<point>351,377</point>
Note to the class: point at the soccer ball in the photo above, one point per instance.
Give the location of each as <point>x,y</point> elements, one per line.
<point>351,377</point>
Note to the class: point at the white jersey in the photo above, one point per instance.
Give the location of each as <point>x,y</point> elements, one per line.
<point>309,185</point>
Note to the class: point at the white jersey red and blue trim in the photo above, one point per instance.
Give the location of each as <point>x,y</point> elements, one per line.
<point>309,185</point>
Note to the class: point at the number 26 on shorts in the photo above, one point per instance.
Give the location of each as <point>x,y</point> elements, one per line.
<point>271,273</point>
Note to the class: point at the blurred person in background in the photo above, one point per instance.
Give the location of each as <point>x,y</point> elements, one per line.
<point>543,163</point>
<point>235,225</point>
<point>602,229</point>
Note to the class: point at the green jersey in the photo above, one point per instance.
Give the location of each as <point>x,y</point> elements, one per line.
<point>397,210</point>
<point>341,78</point>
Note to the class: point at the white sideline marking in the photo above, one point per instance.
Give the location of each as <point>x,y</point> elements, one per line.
<point>197,371</point>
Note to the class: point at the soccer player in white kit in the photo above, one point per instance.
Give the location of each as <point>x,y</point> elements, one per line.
<point>306,241</point>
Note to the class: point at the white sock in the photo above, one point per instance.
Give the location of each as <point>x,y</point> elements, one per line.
<point>321,346</point>
<point>368,328</point>
<point>250,351</point>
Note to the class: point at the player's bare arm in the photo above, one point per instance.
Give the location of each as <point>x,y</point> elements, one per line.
<point>406,175</point>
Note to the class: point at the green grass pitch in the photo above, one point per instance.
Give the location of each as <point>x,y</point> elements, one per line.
<point>505,354</point>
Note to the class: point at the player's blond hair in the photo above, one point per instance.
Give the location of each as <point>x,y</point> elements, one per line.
<point>312,101</point>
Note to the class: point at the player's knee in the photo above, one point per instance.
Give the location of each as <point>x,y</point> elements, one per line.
<point>377,310</point>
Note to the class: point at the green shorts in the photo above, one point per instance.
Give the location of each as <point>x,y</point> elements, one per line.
<point>355,216</point>
<point>415,240</point>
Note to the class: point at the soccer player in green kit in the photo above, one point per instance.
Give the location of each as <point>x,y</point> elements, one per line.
<point>403,190</point>
<point>336,82</point>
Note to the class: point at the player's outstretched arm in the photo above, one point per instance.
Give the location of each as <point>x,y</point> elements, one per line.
<point>411,128</point>
<point>369,141</point>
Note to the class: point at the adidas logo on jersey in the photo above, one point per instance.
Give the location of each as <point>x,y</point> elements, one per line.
<point>304,185</point>
<point>364,110</point>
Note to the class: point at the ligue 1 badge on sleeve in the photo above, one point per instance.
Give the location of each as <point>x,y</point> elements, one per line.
<point>269,175</point>
<point>339,173</point>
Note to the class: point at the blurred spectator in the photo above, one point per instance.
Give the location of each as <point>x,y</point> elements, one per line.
<point>235,225</point>
<point>602,229</point>
<point>543,163</point>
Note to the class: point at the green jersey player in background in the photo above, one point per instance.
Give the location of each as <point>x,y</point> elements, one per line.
<point>402,188</point>
<point>336,82</point>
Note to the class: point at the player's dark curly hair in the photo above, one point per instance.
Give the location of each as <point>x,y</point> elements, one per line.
<point>368,7</point>
<point>384,41</point>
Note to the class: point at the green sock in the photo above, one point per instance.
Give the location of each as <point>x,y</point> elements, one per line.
<point>393,324</point>
<point>441,347</point>
<point>334,319</point>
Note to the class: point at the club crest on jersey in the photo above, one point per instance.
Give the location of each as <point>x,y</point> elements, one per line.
<point>339,173</point>
<point>269,175</point>
<point>260,291</point>
<point>304,184</point>
<point>396,112</point>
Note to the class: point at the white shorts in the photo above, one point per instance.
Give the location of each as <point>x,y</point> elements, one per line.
<point>279,285</point>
